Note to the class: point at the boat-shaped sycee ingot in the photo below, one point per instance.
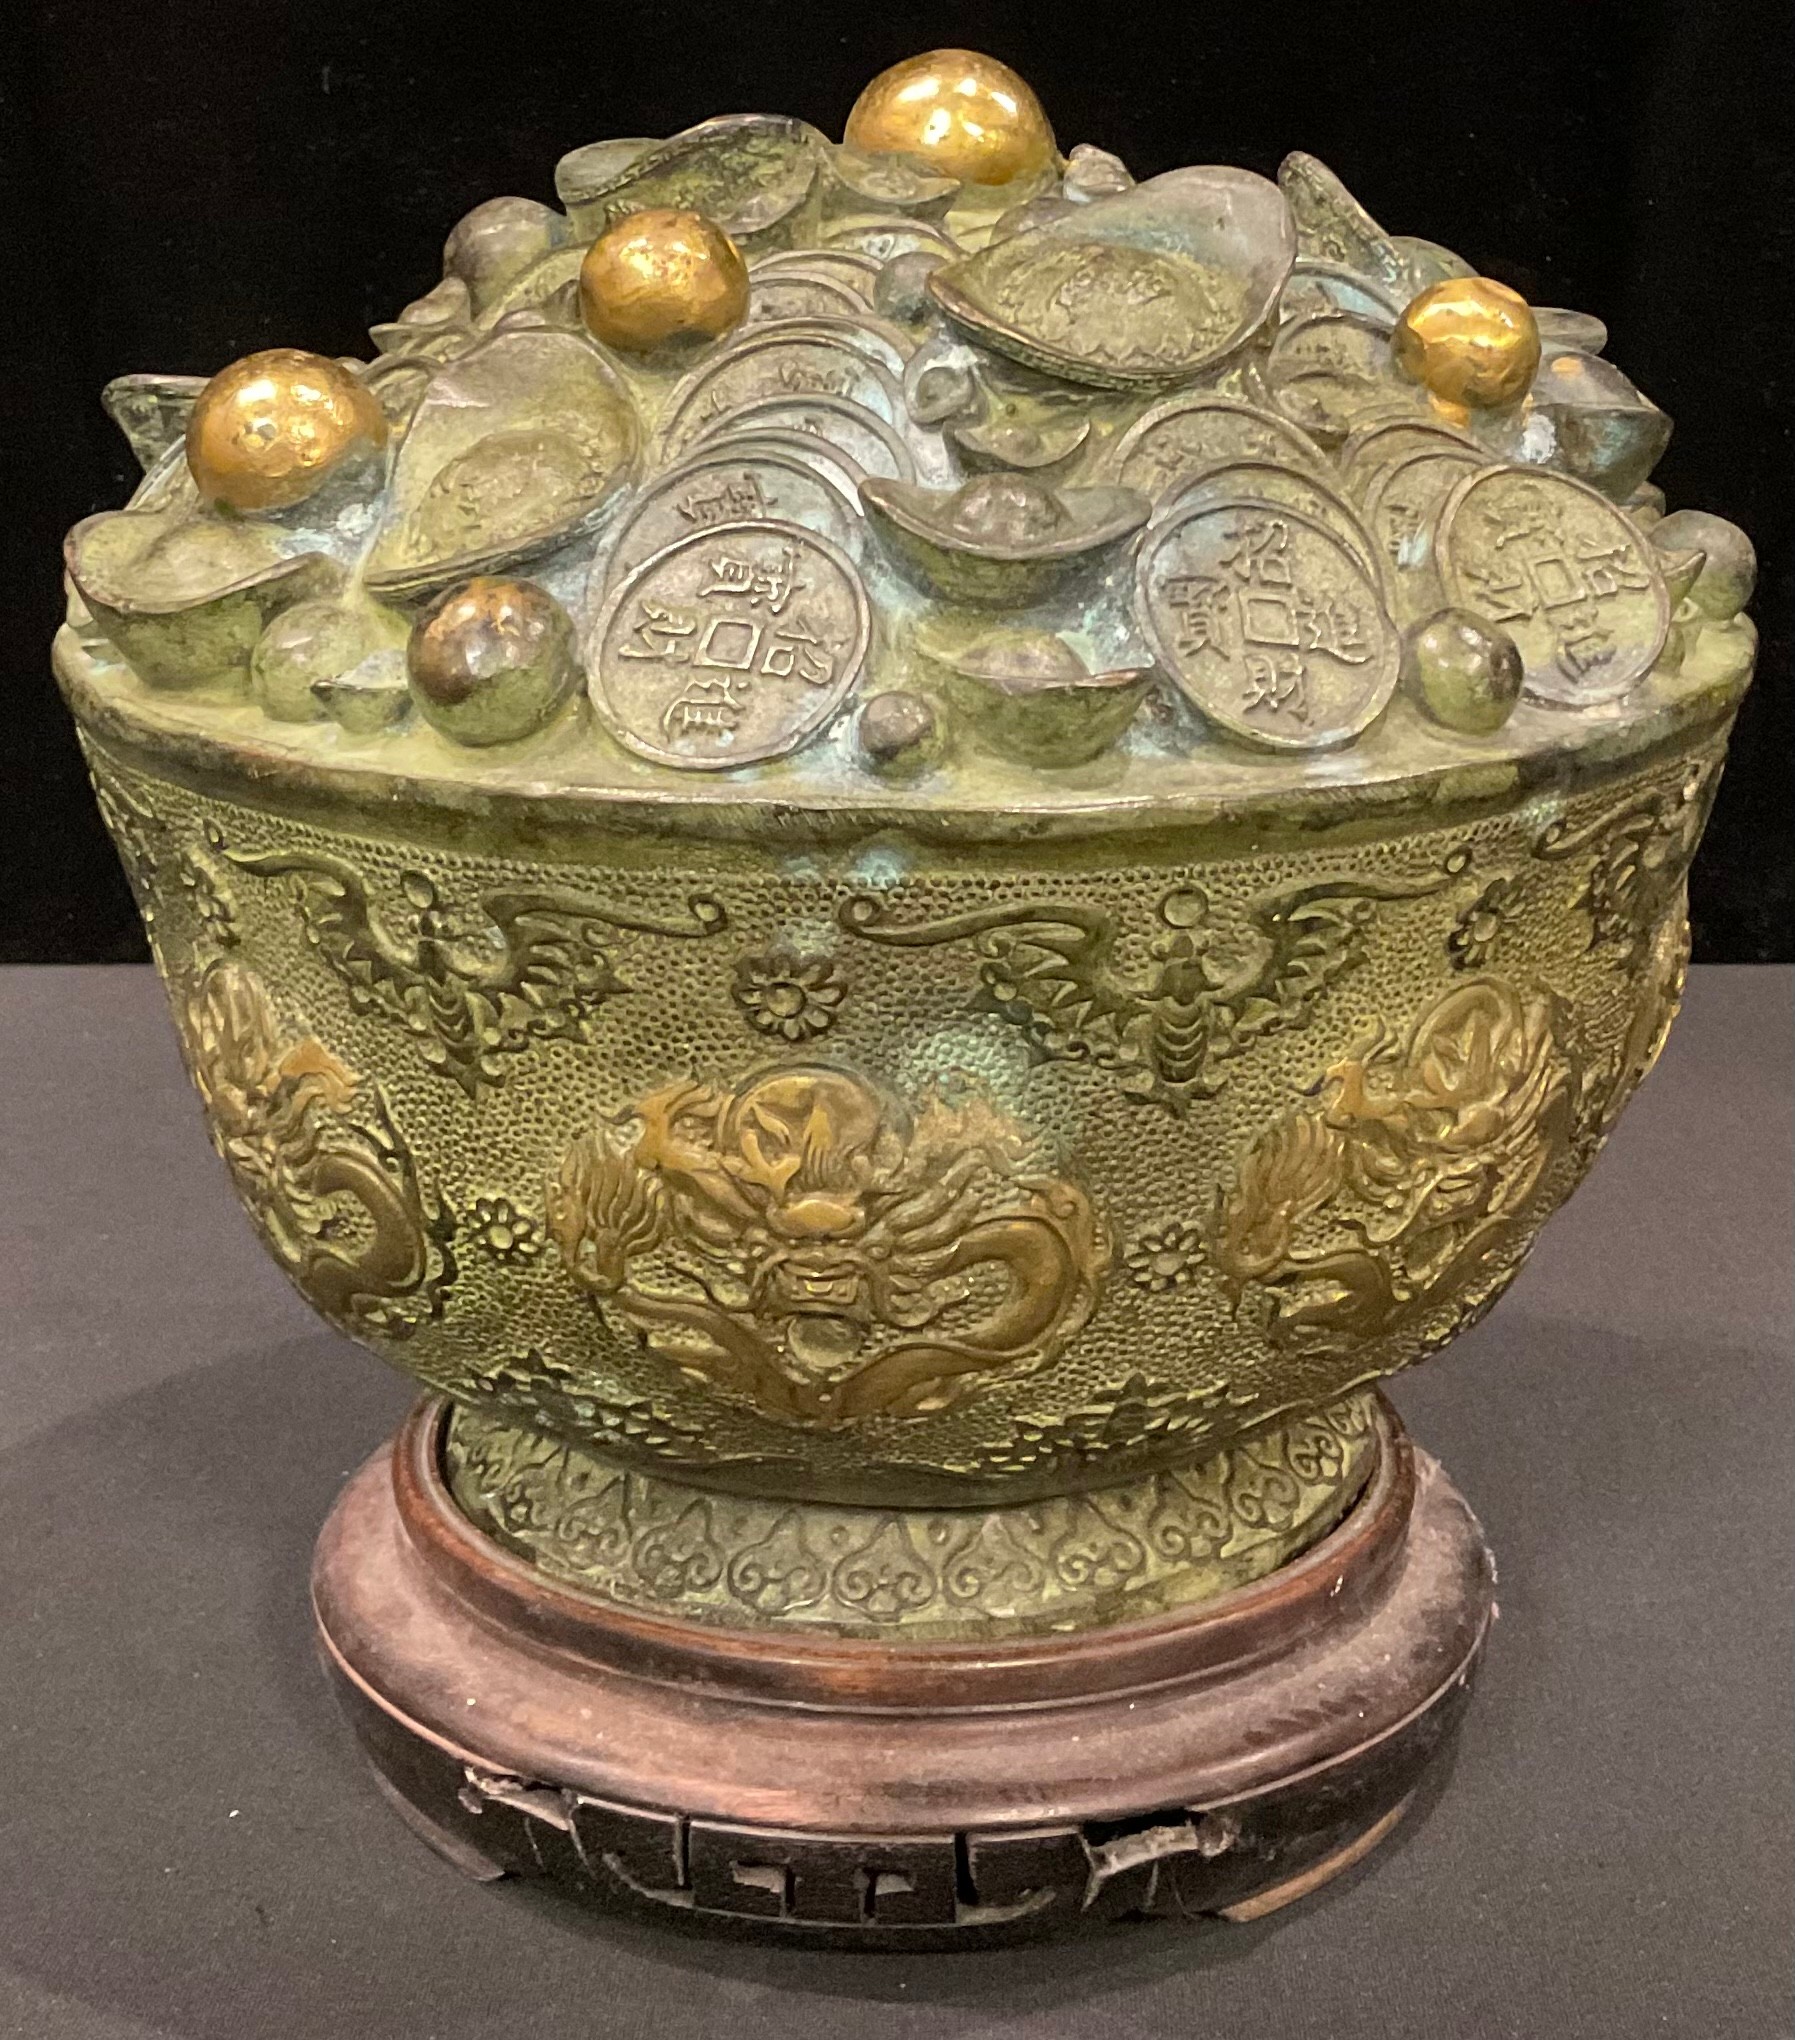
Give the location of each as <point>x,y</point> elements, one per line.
<point>1142,291</point>
<point>758,176</point>
<point>1335,233</point>
<point>1002,538</point>
<point>996,444</point>
<point>1606,431</point>
<point>433,328</point>
<point>151,411</point>
<point>183,598</point>
<point>515,449</point>
<point>1029,695</point>
<point>862,182</point>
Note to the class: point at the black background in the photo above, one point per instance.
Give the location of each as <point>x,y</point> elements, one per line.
<point>185,182</point>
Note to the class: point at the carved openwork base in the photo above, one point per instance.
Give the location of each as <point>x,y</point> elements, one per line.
<point>1220,1758</point>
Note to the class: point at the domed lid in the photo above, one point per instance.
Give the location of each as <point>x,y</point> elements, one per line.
<point>772,419</point>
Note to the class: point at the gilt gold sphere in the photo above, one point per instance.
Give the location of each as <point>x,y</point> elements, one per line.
<point>270,429</point>
<point>1469,341</point>
<point>491,661</point>
<point>962,114</point>
<point>661,276</point>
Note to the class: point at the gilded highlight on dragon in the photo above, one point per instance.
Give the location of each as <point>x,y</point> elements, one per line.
<point>815,1247</point>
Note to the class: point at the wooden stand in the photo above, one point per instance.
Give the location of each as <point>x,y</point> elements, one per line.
<point>1224,1759</point>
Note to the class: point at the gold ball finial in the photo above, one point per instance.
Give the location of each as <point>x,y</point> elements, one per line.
<point>270,429</point>
<point>659,276</point>
<point>1470,341</point>
<point>963,115</point>
<point>491,661</point>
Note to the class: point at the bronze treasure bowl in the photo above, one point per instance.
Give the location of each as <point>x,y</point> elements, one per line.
<point>898,854</point>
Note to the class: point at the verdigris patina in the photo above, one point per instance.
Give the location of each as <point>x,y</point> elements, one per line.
<point>899,852</point>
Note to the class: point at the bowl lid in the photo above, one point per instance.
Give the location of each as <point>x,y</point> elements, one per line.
<point>1221,430</point>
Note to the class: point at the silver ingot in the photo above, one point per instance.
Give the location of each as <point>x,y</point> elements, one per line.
<point>1333,227</point>
<point>1607,432</point>
<point>1047,447</point>
<point>757,175</point>
<point>1145,290</point>
<point>1581,332</point>
<point>862,183</point>
<point>515,450</point>
<point>595,168</point>
<point>1028,694</point>
<point>151,411</point>
<point>183,598</point>
<point>1002,538</point>
<point>1335,231</point>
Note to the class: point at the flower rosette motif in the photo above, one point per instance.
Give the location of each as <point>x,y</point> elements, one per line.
<point>1166,1258</point>
<point>497,1227</point>
<point>1479,928</point>
<point>795,998</point>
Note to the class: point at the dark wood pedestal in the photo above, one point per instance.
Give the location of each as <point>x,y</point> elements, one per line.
<point>1225,1759</point>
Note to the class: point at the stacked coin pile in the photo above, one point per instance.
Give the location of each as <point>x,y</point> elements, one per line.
<point>1011,443</point>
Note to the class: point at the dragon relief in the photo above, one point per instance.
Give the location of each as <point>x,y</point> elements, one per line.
<point>535,965</point>
<point>316,1160</point>
<point>1643,850</point>
<point>1213,983</point>
<point>1409,1191</point>
<point>1612,1079</point>
<point>139,835</point>
<point>808,1244</point>
<point>163,869</point>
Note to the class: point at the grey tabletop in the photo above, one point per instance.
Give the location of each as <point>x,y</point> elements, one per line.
<point>189,1846</point>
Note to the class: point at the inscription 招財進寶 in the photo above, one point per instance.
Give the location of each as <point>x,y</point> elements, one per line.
<point>1269,622</point>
